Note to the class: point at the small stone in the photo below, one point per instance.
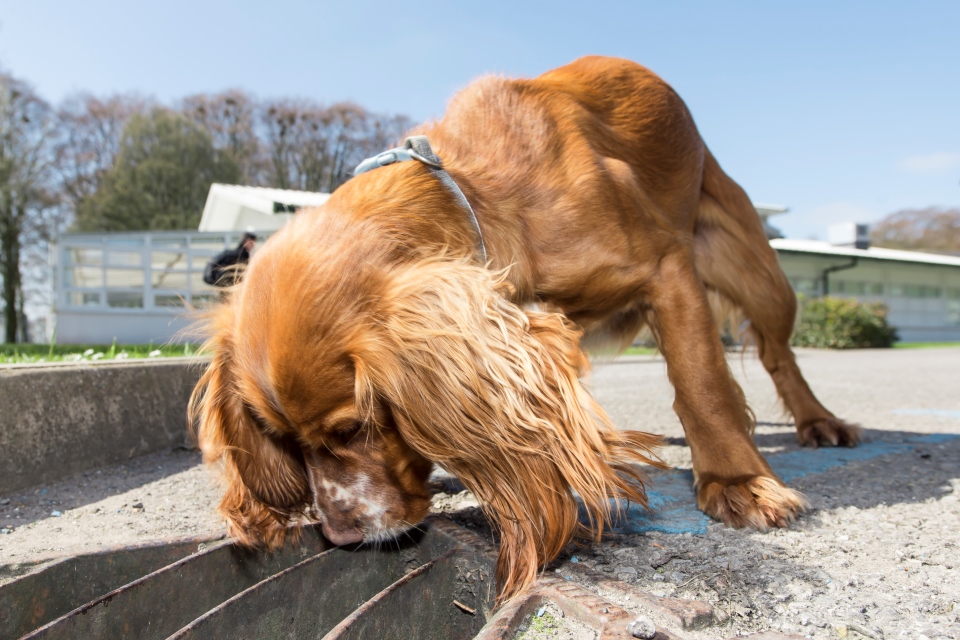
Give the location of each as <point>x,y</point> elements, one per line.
<point>628,570</point>
<point>642,627</point>
<point>138,506</point>
<point>55,514</point>
<point>5,501</point>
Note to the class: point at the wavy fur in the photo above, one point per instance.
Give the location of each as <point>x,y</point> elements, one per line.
<point>492,393</point>
<point>264,483</point>
<point>363,344</point>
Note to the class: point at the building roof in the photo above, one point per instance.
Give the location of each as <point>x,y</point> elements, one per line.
<point>766,210</point>
<point>231,207</point>
<point>873,253</point>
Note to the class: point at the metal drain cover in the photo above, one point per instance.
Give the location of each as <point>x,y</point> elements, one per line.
<point>438,583</point>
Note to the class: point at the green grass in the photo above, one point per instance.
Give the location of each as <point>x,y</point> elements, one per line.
<point>40,353</point>
<point>641,351</point>
<point>538,627</point>
<point>924,345</point>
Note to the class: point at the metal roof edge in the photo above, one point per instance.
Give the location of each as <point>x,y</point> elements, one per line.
<point>873,253</point>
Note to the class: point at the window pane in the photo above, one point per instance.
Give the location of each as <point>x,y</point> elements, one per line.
<point>124,299</point>
<point>876,289</point>
<point>197,283</point>
<point>83,299</point>
<point>125,278</point>
<point>170,243</point>
<point>953,312</point>
<point>213,245</point>
<point>204,300</point>
<point>804,285</point>
<point>170,280</point>
<point>85,256</point>
<point>168,299</point>
<point>90,277</point>
<point>168,260</point>
<point>125,259</point>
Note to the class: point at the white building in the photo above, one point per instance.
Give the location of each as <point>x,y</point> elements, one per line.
<point>231,207</point>
<point>921,290</point>
<point>139,287</point>
<point>136,288</point>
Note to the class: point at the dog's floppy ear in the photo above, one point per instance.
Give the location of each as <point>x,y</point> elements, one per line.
<point>265,482</point>
<point>492,393</point>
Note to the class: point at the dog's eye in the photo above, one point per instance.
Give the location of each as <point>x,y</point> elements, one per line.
<point>347,432</point>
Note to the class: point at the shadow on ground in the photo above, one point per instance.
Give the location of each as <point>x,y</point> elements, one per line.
<point>22,507</point>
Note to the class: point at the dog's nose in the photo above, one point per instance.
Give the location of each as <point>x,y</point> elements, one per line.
<point>341,537</point>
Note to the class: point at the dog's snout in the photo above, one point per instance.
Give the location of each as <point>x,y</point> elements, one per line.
<point>340,537</point>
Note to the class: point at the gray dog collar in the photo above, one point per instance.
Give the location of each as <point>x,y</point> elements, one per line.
<point>417,148</point>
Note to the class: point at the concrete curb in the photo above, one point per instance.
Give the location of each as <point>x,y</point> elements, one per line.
<point>63,419</point>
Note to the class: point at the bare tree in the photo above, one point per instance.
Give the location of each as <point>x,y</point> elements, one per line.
<point>934,229</point>
<point>231,118</point>
<point>88,141</point>
<point>313,148</point>
<point>27,125</point>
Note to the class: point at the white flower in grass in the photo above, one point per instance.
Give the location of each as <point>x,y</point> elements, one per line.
<point>155,353</point>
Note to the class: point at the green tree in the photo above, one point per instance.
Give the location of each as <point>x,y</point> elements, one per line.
<point>160,179</point>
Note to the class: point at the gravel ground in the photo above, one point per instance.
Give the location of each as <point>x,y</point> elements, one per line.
<point>150,497</point>
<point>877,556</point>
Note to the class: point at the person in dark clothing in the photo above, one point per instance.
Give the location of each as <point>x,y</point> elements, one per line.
<point>224,269</point>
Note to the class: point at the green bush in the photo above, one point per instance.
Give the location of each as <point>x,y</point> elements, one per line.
<point>838,323</point>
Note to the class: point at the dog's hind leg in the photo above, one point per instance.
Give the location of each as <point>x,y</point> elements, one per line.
<point>734,257</point>
<point>733,481</point>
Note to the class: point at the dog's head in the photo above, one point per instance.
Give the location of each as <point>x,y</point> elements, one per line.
<point>343,370</point>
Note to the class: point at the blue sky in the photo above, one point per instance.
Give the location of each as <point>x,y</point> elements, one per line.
<point>841,111</point>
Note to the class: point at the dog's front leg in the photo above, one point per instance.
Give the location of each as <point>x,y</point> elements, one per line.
<point>733,481</point>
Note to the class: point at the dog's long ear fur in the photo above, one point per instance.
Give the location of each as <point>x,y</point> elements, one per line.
<point>264,478</point>
<point>492,393</point>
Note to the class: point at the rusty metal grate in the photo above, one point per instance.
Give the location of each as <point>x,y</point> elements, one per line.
<point>439,584</point>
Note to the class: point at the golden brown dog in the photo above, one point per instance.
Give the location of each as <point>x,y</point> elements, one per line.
<point>367,342</point>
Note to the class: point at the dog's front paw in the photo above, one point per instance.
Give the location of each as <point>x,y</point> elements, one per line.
<point>828,431</point>
<point>758,502</point>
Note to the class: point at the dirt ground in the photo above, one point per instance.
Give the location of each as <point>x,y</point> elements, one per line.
<point>877,556</point>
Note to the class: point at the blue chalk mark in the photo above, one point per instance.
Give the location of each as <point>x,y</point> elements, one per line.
<point>940,413</point>
<point>796,464</point>
<point>935,438</point>
<point>673,502</point>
